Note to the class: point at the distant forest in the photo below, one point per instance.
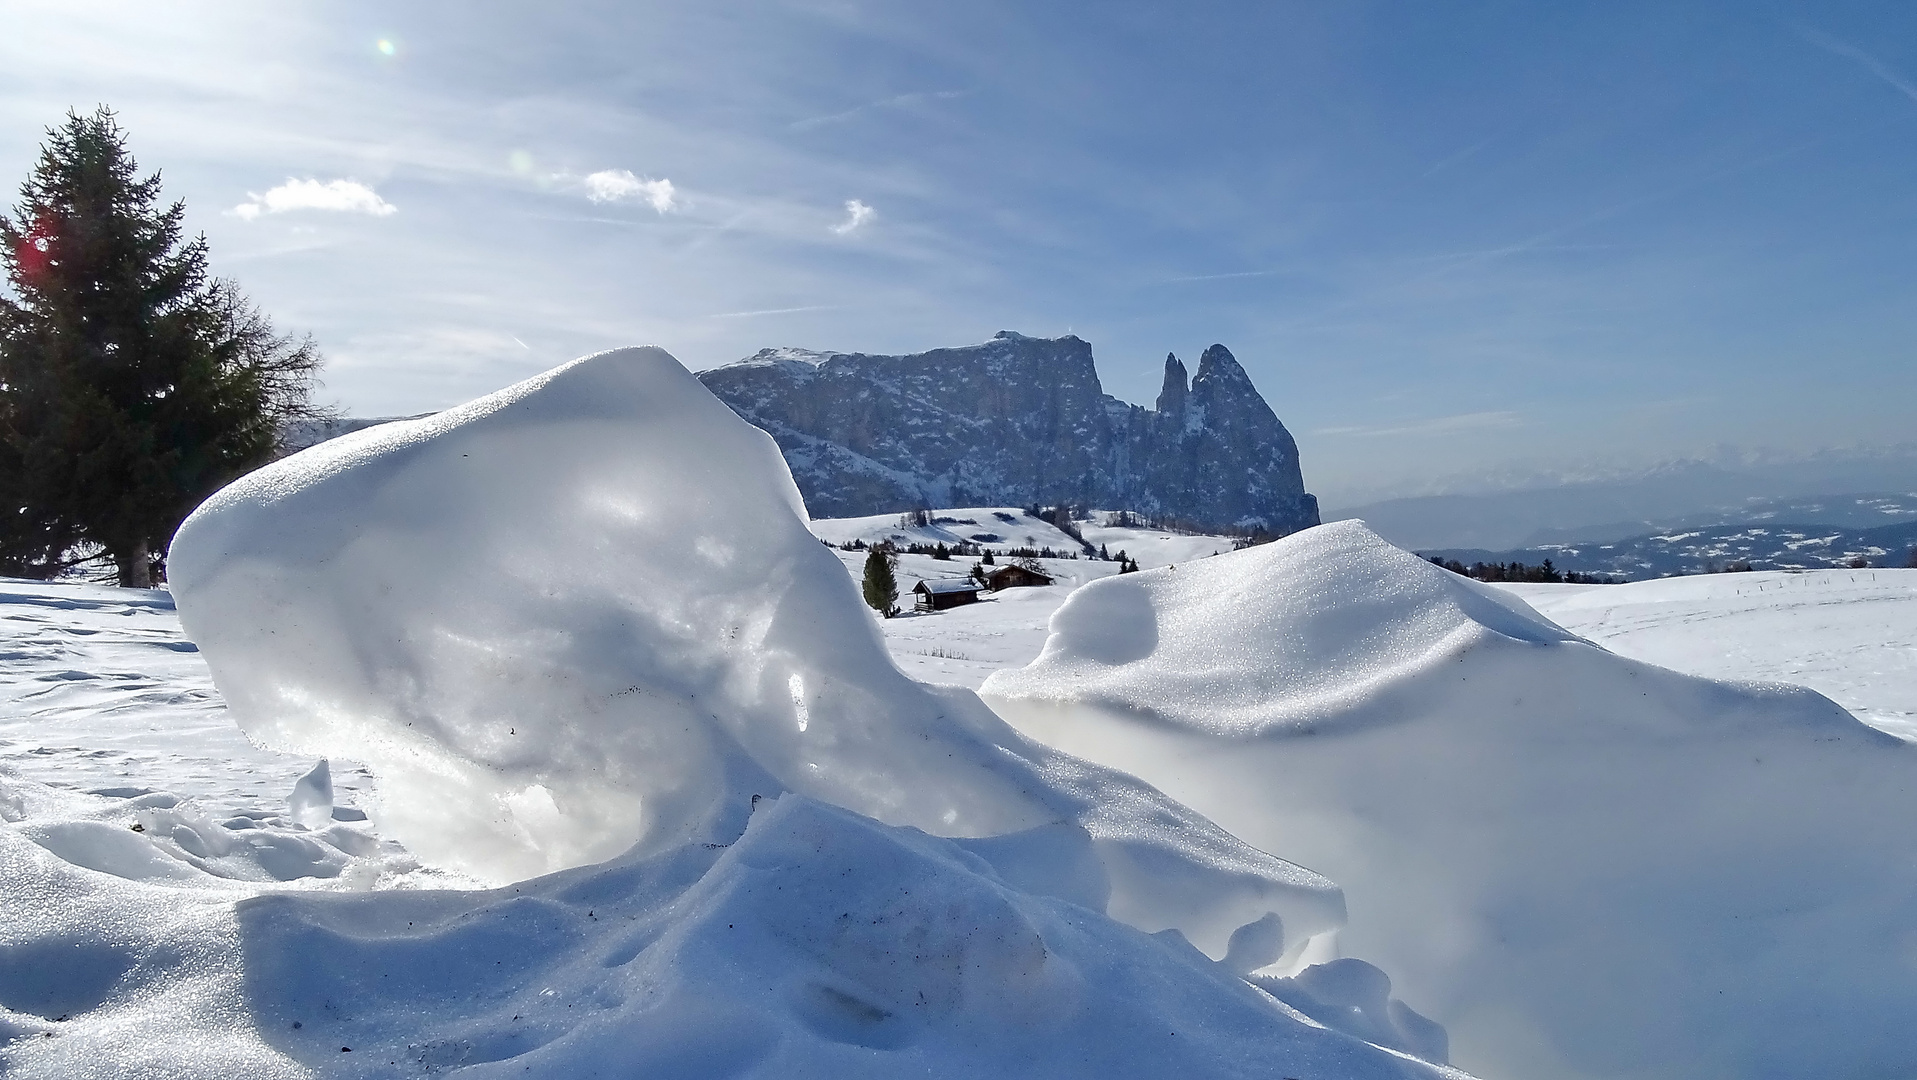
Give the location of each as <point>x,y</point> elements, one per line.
<point>1517,571</point>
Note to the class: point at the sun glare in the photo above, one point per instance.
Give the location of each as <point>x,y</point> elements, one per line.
<point>386,47</point>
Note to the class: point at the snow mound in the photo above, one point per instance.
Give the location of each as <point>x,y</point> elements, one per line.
<point>585,614</point>
<point>818,944</point>
<point>1579,864</point>
<point>1284,634</point>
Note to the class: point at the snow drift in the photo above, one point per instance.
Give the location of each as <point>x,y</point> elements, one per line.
<point>819,944</point>
<point>585,613</point>
<point>1582,865</point>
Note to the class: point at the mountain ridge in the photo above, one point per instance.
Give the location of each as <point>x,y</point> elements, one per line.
<point>1017,420</point>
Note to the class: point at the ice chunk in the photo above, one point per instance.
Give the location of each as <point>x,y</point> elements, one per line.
<point>586,613</point>
<point>1579,864</point>
<point>311,803</point>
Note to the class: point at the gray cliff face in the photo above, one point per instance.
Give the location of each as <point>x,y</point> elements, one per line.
<point>1018,420</point>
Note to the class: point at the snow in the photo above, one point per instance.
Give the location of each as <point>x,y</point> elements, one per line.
<point>1151,547</point>
<point>995,527</point>
<point>818,944</point>
<point>1850,635</point>
<point>722,833</point>
<point>580,633</point>
<point>1000,528</point>
<point>102,691</point>
<point>1580,864</point>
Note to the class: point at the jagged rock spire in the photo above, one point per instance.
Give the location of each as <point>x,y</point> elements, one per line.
<point>1171,399</point>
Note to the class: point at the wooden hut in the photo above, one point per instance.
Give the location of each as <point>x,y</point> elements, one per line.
<point>939,595</point>
<point>1015,577</point>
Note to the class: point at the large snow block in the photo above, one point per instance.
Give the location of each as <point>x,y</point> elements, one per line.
<point>585,613</point>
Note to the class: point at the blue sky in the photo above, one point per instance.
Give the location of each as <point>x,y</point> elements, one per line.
<point>1450,242</point>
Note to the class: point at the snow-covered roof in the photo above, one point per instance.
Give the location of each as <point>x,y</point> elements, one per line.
<point>950,585</point>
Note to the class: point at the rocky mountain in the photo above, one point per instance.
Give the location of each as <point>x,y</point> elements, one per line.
<point>1018,420</point>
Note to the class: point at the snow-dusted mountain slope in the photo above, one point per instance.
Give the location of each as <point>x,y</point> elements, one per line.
<point>1019,420</point>
<point>1583,865</point>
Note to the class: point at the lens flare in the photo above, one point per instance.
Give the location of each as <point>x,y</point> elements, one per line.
<point>386,47</point>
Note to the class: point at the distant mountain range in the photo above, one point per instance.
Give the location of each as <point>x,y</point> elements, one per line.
<point>1769,545</point>
<point>1019,420</point>
<point>1673,496</point>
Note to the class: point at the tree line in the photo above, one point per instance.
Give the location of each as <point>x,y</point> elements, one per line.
<point>1517,571</point>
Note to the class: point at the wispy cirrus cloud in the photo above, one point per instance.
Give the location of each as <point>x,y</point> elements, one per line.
<point>620,185</point>
<point>773,311</point>
<point>1437,426</point>
<point>899,101</point>
<point>1869,63</point>
<point>336,196</point>
<point>857,216</point>
<point>1216,277</point>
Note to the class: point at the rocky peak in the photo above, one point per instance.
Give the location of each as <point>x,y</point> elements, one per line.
<point>1018,420</point>
<point>1219,370</point>
<point>1171,399</point>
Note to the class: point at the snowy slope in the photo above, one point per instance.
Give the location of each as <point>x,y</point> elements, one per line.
<point>962,646</point>
<point>997,528</point>
<point>1850,635</point>
<point>1002,528</point>
<point>1580,864</point>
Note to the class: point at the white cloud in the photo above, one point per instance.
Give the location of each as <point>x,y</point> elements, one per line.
<point>617,185</point>
<point>856,215</point>
<point>341,196</point>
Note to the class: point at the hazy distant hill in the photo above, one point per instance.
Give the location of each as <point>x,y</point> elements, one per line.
<point>1854,490</point>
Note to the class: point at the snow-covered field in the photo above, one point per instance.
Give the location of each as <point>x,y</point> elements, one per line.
<point>100,689</point>
<point>668,810</point>
<point>1850,635</point>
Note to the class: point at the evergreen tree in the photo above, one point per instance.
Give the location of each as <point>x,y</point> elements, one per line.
<point>881,585</point>
<point>132,385</point>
